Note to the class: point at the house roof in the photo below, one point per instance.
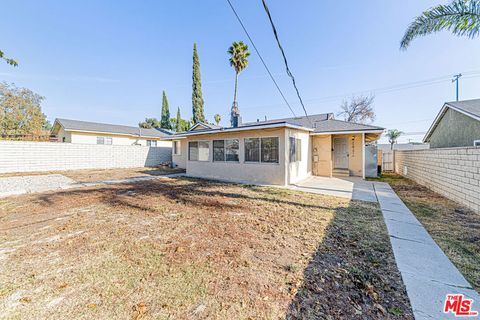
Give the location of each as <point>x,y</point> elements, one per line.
<point>317,124</point>
<point>85,126</point>
<point>332,126</point>
<point>470,108</point>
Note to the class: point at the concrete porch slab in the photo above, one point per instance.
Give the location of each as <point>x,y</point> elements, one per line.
<point>346,187</point>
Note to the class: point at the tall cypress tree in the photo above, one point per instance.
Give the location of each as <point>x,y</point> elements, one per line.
<point>165,121</point>
<point>178,122</point>
<point>197,98</point>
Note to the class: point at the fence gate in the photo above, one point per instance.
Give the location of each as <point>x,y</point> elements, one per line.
<point>387,160</point>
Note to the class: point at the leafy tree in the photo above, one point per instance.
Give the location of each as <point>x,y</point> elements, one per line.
<point>358,109</point>
<point>392,136</point>
<point>461,17</point>
<point>149,123</point>
<point>197,97</point>
<point>239,54</point>
<point>165,120</point>
<point>217,118</point>
<point>8,60</point>
<point>20,112</point>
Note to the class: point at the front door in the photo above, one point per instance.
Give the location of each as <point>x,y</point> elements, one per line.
<point>340,153</point>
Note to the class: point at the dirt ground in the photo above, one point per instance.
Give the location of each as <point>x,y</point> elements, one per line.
<point>90,175</point>
<point>455,228</point>
<point>193,249</point>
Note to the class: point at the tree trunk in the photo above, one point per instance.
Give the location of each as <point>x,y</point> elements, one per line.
<point>235,92</point>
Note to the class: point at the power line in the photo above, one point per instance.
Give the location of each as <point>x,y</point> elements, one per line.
<point>284,57</point>
<point>261,58</point>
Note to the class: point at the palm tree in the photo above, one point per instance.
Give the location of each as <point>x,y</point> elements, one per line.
<point>217,118</point>
<point>461,17</point>
<point>393,135</point>
<point>239,61</point>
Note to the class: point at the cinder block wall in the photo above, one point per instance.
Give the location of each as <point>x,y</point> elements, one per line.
<point>451,172</point>
<point>20,156</point>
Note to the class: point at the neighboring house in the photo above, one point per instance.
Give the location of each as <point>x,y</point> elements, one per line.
<point>456,125</point>
<point>281,152</point>
<point>74,131</point>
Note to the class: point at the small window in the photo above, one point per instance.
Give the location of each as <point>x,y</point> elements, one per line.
<point>152,143</point>
<point>226,150</point>
<point>295,151</point>
<point>198,150</point>
<point>231,150</point>
<point>218,150</point>
<point>104,140</point>
<point>269,150</point>
<point>252,150</point>
<point>476,143</point>
<point>176,148</point>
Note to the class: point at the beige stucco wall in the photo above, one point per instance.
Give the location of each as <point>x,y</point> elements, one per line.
<point>355,150</point>
<point>122,140</point>
<point>322,155</point>
<point>181,159</point>
<point>299,170</point>
<point>322,146</point>
<point>263,173</point>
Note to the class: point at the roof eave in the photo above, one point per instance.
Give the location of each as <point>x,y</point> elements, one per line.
<point>348,132</point>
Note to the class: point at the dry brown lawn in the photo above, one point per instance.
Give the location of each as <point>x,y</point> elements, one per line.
<point>91,175</point>
<point>455,228</point>
<point>193,249</point>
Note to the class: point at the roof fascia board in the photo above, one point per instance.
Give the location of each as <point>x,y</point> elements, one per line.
<point>347,132</point>
<point>113,133</point>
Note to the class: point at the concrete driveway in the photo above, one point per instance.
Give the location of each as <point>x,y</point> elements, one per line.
<point>346,187</point>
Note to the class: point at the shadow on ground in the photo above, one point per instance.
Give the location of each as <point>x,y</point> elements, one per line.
<point>353,274</point>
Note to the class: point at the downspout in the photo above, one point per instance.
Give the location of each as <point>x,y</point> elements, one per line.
<point>363,155</point>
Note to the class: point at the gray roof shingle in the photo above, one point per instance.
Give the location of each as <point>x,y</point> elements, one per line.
<point>469,106</point>
<point>72,125</point>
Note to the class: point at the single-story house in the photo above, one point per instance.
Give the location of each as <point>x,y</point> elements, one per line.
<point>456,125</point>
<point>280,152</point>
<point>75,131</point>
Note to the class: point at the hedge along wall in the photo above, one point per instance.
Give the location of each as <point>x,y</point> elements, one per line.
<point>451,172</point>
<point>21,156</point>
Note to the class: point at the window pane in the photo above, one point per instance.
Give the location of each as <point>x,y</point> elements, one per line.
<point>175,147</point>
<point>270,150</point>
<point>291,150</point>
<point>193,151</point>
<point>218,150</point>
<point>231,149</point>
<point>154,143</point>
<point>149,143</point>
<point>252,149</point>
<point>203,150</point>
<point>100,140</point>
<point>298,150</point>
<point>108,140</point>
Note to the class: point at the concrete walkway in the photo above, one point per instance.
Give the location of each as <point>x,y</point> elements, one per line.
<point>346,187</point>
<point>426,271</point>
<point>10,186</point>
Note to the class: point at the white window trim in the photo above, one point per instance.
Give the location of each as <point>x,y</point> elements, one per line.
<point>104,140</point>
<point>260,151</point>
<point>476,143</point>
<point>188,150</point>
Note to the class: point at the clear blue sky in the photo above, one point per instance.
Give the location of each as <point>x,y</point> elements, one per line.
<point>109,61</point>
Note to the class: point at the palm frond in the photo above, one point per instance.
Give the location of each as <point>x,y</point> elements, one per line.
<point>461,17</point>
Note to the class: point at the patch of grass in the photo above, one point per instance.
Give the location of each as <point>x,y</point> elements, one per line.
<point>187,248</point>
<point>455,228</point>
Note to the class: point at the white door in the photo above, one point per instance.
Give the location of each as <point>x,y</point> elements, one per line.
<point>340,153</point>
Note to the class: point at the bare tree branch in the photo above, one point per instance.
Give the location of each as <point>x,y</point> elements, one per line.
<point>359,109</point>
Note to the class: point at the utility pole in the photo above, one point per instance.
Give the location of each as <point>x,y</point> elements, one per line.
<point>455,79</point>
